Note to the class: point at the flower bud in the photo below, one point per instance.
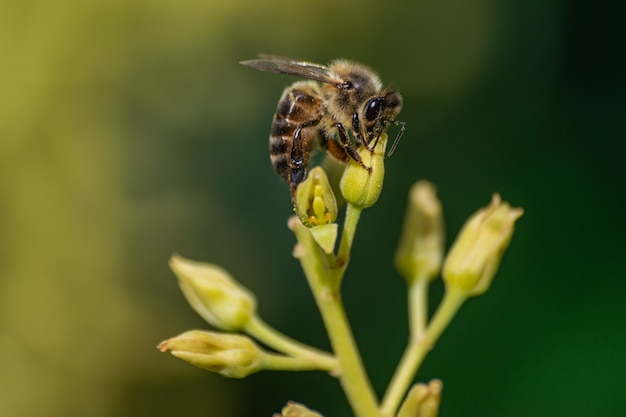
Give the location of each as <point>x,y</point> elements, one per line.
<point>362,187</point>
<point>475,255</point>
<point>422,400</point>
<point>293,409</point>
<point>214,294</point>
<point>315,200</point>
<point>229,355</point>
<point>420,252</point>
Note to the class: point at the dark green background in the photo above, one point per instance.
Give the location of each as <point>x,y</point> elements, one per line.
<point>129,132</point>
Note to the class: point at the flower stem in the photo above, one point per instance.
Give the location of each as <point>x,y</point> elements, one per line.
<point>352,377</point>
<point>282,343</point>
<point>418,307</point>
<point>418,348</point>
<point>353,213</point>
<point>324,281</point>
<point>290,363</point>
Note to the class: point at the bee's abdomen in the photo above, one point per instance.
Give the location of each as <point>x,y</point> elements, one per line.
<point>299,107</point>
<point>280,150</point>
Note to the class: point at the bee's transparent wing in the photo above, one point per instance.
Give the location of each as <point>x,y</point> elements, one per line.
<point>295,61</point>
<point>280,65</point>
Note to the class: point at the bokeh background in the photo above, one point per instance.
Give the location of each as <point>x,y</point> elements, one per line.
<point>128,132</point>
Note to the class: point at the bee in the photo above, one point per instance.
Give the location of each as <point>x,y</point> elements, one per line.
<point>336,101</point>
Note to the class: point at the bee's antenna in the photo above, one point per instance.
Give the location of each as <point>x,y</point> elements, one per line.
<point>398,137</point>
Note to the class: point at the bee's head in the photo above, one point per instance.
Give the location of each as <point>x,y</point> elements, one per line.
<point>378,112</point>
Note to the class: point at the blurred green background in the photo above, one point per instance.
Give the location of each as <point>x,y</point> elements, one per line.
<point>128,132</point>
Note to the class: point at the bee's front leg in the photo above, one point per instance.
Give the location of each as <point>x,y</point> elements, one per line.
<point>356,129</point>
<point>344,141</point>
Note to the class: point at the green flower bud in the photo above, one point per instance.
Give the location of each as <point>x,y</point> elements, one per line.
<point>420,252</point>
<point>362,187</point>
<point>229,355</point>
<point>422,400</point>
<point>214,294</point>
<point>315,201</point>
<point>475,255</point>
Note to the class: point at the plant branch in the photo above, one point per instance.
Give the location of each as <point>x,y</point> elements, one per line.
<point>417,350</point>
<point>282,343</point>
<point>323,280</point>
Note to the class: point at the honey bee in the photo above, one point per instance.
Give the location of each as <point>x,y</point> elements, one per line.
<point>341,98</point>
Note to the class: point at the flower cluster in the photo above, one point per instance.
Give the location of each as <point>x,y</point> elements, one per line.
<point>247,344</point>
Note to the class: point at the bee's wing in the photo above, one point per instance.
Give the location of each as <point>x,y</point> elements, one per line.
<point>295,61</point>
<point>280,65</point>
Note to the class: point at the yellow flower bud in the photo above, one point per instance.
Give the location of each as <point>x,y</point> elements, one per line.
<point>214,294</point>
<point>420,252</point>
<point>475,255</point>
<point>315,200</point>
<point>362,187</point>
<point>293,409</point>
<point>422,400</point>
<point>229,355</point>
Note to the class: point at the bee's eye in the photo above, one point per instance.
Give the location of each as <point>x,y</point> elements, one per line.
<point>373,108</point>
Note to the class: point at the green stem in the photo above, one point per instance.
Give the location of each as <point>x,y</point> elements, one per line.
<point>323,280</point>
<point>418,307</point>
<point>418,348</point>
<point>353,377</point>
<point>282,343</point>
<point>288,363</point>
<point>353,213</point>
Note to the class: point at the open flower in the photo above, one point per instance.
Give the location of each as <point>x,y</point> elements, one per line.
<point>315,201</point>
<point>316,208</point>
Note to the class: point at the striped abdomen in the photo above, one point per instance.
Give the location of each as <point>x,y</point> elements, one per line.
<point>294,131</point>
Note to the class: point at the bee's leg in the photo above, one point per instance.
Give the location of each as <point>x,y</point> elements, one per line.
<point>298,159</point>
<point>344,141</point>
<point>356,128</point>
<point>371,148</point>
